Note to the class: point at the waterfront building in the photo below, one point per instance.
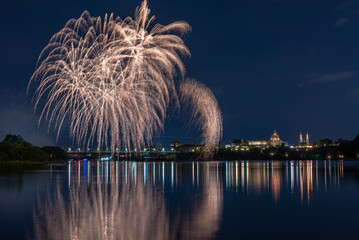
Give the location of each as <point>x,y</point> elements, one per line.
<point>274,140</point>
<point>175,144</point>
<point>258,143</point>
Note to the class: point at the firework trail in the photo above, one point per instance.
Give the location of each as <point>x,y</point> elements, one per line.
<point>112,78</point>
<point>205,112</point>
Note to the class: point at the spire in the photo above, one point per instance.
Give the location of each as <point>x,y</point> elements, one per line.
<point>274,136</point>
<point>300,137</point>
<point>307,138</point>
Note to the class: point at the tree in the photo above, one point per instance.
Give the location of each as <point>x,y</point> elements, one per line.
<point>55,153</point>
<point>15,139</point>
<point>240,142</point>
<point>15,148</point>
<point>323,142</point>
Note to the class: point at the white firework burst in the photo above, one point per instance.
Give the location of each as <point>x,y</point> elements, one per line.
<point>113,78</point>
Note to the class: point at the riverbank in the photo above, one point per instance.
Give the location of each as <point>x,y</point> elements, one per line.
<point>14,162</point>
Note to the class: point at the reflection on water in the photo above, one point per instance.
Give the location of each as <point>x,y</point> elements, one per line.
<point>301,177</point>
<point>168,200</point>
<point>125,200</point>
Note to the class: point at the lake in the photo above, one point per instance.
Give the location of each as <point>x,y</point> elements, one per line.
<point>180,200</point>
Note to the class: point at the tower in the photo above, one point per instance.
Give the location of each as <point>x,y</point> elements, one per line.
<point>300,137</point>
<point>307,138</point>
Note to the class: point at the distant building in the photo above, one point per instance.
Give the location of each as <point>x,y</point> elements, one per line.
<point>274,140</point>
<point>191,147</point>
<point>175,144</point>
<point>258,143</point>
<point>301,140</point>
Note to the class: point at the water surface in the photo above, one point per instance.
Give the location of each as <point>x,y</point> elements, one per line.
<point>180,200</point>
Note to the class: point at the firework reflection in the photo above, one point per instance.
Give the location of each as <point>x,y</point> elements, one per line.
<point>126,200</point>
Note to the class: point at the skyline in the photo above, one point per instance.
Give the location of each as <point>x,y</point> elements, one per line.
<point>284,65</point>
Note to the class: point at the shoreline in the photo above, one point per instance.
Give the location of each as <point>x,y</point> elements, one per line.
<point>17,163</point>
<point>31,162</point>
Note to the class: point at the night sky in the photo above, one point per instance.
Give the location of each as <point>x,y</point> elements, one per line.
<point>285,65</point>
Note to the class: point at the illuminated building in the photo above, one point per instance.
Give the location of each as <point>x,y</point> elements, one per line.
<point>175,144</point>
<point>307,138</point>
<point>258,143</point>
<point>274,140</point>
<point>301,140</point>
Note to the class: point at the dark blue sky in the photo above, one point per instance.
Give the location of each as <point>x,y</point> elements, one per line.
<point>288,65</point>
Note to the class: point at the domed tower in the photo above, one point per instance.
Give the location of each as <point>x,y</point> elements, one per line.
<point>275,139</point>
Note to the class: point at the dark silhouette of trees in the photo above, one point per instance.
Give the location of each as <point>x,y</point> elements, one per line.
<point>323,142</point>
<point>349,148</point>
<point>240,142</point>
<point>15,139</point>
<point>15,148</point>
<point>55,153</point>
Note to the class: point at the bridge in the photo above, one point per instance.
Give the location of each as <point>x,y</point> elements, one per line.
<point>119,155</point>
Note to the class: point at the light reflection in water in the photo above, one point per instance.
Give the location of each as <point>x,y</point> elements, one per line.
<point>272,177</point>
<point>118,203</point>
<point>132,200</point>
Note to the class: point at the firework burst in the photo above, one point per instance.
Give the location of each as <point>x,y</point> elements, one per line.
<point>112,78</point>
<point>205,113</point>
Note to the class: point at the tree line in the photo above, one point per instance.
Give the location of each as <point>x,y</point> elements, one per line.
<point>15,148</point>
